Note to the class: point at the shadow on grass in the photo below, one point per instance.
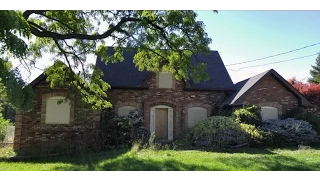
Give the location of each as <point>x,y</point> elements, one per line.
<point>117,160</point>
<point>231,150</point>
<point>126,160</point>
<point>134,164</point>
<point>68,158</point>
<point>270,163</point>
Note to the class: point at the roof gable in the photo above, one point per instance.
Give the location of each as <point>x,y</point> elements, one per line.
<point>243,86</point>
<point>125,74</point>
<point>246,85</point>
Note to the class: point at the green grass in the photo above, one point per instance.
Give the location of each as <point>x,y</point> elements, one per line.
<point>159,160</point>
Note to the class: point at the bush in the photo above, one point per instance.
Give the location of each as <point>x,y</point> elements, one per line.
<point>222,132</point>
<point>221,110</point>
<point>125,130</point>
<point>249,115</point>
<point>290,132</point>
<point>311,117</point>
<point>3,128</point>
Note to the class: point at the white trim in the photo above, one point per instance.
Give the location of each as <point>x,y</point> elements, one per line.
<point>170,120</point>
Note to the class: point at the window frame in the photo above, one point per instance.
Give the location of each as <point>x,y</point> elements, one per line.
<point>159,80</point>
<point>44,107</point>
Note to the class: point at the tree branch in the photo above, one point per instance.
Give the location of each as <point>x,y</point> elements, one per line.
<point>64,53</point>
<point>26,14</point>
<point>35,30</point>
<point>149,49</point>
<point>76,56</point>
<point>54,19</point>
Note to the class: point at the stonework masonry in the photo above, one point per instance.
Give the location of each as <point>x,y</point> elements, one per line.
<point>270,92</point>
<point>31,128</point>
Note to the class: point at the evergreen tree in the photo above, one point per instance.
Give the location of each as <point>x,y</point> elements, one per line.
<point>315,72</point>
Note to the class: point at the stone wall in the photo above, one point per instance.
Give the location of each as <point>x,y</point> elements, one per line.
<point>270,92</point>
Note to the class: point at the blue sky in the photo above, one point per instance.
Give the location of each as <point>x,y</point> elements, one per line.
<point>246,35</point>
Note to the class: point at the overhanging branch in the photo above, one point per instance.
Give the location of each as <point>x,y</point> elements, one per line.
<point>41,32</point>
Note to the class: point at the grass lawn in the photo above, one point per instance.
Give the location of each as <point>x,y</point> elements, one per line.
<point>159,160</point>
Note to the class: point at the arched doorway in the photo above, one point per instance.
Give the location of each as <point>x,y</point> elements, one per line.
<point>161,122</point>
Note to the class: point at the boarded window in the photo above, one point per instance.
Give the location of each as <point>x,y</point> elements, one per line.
<point>268,112</point>
<point>57,113</point>
<point>165,80</point>
<point>195,115</point>
<point>125,110</point>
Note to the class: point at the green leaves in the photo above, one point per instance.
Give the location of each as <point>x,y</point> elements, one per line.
<point>12,28</point>
<point>12,88</point>
<point>93,91</point>
<point>164,41</point>
<point>315,72</point>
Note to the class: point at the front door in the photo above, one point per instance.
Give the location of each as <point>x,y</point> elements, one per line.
<point>161,123</point>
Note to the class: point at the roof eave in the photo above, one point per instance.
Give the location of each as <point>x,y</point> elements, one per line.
<point>128,87</point>
<point>209,89</point>
<point>37,80</point>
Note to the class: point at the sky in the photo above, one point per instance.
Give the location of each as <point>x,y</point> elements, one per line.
<point>247,35</point>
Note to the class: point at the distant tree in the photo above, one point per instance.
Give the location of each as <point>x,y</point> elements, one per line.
<point>310,90</point>
<point>315,72</point>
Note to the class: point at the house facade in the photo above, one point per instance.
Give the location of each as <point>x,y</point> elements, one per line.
<point>169,106</point>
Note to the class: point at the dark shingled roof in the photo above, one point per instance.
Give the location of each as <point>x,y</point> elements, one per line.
<point>122,74</point>
<point>244,86</point>
<point>125,74</point>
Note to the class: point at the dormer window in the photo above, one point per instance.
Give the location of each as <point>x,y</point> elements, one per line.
<point>165,80</point>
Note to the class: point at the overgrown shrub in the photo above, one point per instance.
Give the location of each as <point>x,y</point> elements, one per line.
<point>289,132</point>
<point>303,114</point>
<point>221,110</point>
<point>125,130</point>
<point>3,128</point>
<point>222,132</point>
<point>248,115</point>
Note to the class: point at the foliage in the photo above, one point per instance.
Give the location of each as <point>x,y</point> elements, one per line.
<point>221,110</point>
<point>13,89</point>
<point>222,132</point>
<point>8,112</point>
<point>3,128</point>
<point>164,41</point>
<point>310,90</point>
<point>125,130</point>
<point>290,131</point>
<point>315,72</point>
<point>6,151</point>
<point>248,115</point>
<point>309,116</point>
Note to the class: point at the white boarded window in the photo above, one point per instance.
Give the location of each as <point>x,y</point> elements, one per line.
<point>195,115</point>
<point>57,113</point>
<point>125,110</point>
<point>165,80</point>
<point>268,112</point>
